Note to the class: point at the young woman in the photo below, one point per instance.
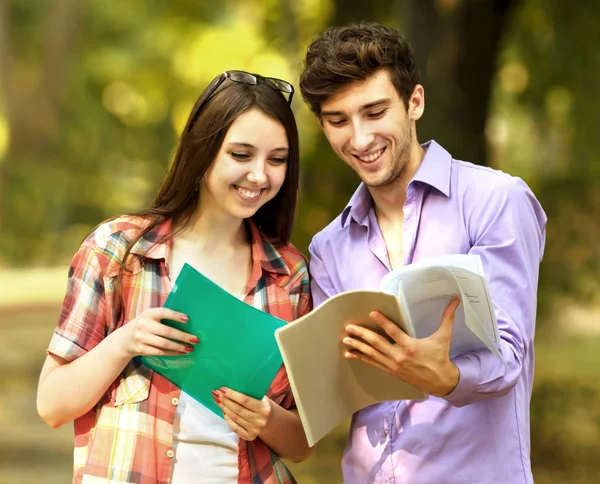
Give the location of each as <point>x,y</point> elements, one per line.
<point>226,207</point>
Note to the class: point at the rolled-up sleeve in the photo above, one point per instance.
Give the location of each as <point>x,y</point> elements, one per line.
<point>508,233</point>
<point>82,323</point>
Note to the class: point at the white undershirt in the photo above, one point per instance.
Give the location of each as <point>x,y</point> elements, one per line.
<point>206,449</point>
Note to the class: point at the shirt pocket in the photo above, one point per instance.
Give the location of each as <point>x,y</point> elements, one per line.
<point>132,386</point>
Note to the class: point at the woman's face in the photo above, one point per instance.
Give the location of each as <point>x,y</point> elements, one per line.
<point>249,168</point>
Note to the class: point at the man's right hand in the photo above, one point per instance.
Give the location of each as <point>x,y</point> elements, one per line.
<point>423,362</point>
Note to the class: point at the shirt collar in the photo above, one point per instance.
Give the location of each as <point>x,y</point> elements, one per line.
<point>265,253</point>
<point>358,206</point>
<point>434,171</point>
<point>156,244</point>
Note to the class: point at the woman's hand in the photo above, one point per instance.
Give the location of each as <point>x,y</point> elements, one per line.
<point>147,336</point>
<point>245,415</point>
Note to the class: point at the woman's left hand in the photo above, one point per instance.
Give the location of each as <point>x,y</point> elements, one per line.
<point>245,415</point>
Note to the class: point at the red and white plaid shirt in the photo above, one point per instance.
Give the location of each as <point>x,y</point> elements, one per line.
<point>128,436</point>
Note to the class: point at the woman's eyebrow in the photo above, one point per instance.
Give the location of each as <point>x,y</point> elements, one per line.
<point>241,145</point>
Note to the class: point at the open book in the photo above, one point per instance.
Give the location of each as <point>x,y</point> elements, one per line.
<point>328,388</point>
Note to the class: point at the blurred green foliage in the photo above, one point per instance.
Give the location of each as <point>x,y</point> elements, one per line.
<point>95,95</point>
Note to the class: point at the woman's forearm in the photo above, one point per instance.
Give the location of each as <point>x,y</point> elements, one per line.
<point>284,434</point>
<point>68,390</point>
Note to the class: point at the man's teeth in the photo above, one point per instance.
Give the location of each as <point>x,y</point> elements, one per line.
<point>372,156</point>
<point>249,193</point>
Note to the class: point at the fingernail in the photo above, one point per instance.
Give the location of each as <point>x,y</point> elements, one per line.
<point>194,339</point>
<point>222,390</point>
<point>215,396</point>
<point>346,341</point>
<point>184,318</point>
<point>189,349</point>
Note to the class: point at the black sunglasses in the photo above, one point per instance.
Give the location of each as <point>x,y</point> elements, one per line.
<point>247,78</point>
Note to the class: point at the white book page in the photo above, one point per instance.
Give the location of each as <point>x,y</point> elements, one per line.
<point>474,288</point>
<point>426,293</point>
<point>425,289</point>
<point>390,283</point>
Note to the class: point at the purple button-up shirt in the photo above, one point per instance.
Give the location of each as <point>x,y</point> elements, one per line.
<point>479,433</point>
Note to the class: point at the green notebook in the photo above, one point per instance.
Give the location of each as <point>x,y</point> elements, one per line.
<point>237,346</point>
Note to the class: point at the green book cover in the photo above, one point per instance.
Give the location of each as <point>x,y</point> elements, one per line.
<point>237,346</point>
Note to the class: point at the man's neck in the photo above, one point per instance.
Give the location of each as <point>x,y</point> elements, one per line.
<point>388,200</point>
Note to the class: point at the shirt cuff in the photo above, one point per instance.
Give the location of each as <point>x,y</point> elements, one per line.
<point>467,381</point>
<point>65,348</point>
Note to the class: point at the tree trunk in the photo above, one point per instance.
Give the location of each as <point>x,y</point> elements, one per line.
<point>456,46</point>
<point>35,125</point>
<point>32,112</point>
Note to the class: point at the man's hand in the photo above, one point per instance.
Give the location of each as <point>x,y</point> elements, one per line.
<point>424,363</point>
<point>245,415</point>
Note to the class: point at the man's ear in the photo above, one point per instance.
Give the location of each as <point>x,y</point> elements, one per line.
<point>416,103</point>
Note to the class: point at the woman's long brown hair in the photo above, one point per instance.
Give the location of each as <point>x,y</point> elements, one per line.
<point>198,146</point>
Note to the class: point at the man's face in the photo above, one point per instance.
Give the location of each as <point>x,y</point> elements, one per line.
<point>369,127</point>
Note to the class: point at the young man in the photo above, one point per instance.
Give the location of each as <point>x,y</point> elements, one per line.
<point>416,202</point>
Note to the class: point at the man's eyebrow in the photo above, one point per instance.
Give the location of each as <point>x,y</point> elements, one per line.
<point>379,102</point>
<point>364,107</point>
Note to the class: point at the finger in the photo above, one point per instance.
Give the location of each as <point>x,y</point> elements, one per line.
<point>252,404</point>
<point>358,347</point>
<point>448,316</point>
<point>246,425</point>
<point>352,355</point>
<point>390,328</point>
<point>153,351</point>
<point>165,313</point>
<point>159,342</point>
<point>371,337</point>
<point>239,431</point>
<point>235,408</point>
<point>178,335</point>
<point>165,331</point>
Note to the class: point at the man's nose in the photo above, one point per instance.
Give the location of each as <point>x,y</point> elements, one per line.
<point>362,138</point>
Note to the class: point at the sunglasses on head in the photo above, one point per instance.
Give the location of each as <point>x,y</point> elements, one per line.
<point>246,78</point>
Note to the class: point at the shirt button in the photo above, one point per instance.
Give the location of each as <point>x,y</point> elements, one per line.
<point>170,453</point>
<point>175,401</point>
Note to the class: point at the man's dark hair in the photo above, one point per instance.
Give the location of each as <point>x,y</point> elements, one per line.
<point>342,55</point>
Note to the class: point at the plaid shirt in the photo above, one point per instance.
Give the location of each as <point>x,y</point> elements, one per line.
<point>128,436</point>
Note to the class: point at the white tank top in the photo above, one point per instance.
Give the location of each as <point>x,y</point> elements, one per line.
<point>206,449</point>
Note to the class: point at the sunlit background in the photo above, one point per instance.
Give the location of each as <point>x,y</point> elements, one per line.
<point>93,94</point>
